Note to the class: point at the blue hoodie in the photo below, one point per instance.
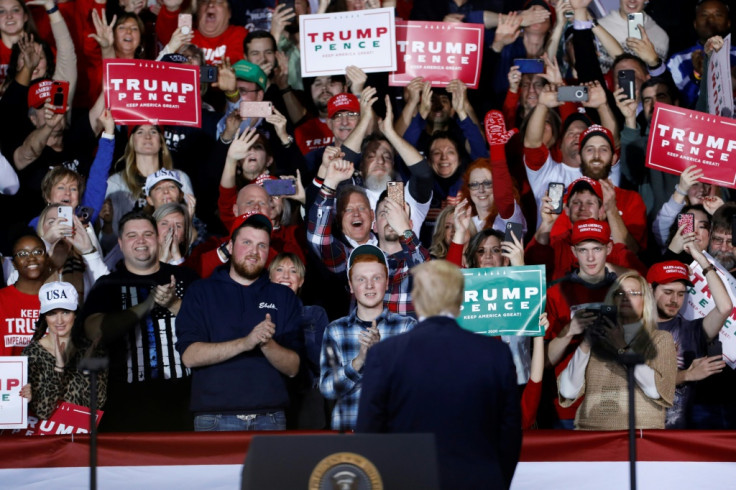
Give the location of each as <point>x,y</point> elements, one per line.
<point>218,309</point>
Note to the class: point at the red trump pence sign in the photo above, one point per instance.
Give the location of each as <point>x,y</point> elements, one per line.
<point>364,38</point>
<point>438,52</point>
<point>679,138</point>
<point>152,92</point>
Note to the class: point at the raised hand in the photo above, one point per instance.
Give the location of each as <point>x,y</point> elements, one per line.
<point>242,143</point>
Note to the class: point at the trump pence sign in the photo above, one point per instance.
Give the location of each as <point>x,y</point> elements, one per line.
<point>439,52</point>
<point>504,300</point>
<point>152,92</point>
<point>364,38</point>
<point>679,138</point>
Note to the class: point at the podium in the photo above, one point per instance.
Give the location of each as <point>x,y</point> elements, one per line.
<point>351,462</point>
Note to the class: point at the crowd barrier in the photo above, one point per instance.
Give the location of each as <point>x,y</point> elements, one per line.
<point>549,459</point>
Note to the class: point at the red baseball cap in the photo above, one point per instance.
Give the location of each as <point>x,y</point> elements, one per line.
<point>38,92</point>
<point>596,130</point>
<point>342,102</point>
<point>667,272</point>
<point>584,184</point>
<point>590,229</point>
<point>251,218</point>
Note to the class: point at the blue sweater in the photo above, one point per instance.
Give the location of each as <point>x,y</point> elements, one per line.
<point>218,309</point>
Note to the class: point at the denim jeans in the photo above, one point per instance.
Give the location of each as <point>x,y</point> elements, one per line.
<point>252,421</point>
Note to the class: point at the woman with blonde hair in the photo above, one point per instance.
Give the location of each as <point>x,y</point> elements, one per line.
<point>145,153</point>
<point>596,372</point>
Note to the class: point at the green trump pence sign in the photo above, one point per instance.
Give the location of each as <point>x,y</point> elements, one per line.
<point>504,300</point>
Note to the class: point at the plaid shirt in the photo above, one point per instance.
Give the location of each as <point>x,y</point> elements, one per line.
<point>344,385</point>
<point>334,254</point>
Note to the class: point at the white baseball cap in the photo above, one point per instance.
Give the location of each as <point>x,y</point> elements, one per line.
<point>58,295</point>
<point>160,175</point>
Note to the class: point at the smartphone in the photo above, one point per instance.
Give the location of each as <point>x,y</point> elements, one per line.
<point>84,213</point>
<point>255,109</point>
<point>626,81</point>
<point>529,65</point>
<point>610,312</point>
<point>555,191</point>
<point>715,348</point>
<point>395,192</point>
<point>65,212</point>
<point>207,74</point>
<point>281,187</point>
<point>574,93</point>
<point>583,307</point>
<point>634,21</point>
<point>688,219</point>
<point>289,4</point>
<point>516,228</point>
<point>185,22</point>
<point>59,95</point>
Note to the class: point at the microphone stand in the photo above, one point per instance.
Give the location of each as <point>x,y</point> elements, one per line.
<point>91,366</point>
<point>630,360</point>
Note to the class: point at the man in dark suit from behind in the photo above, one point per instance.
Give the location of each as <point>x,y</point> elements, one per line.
<point>441,379</point>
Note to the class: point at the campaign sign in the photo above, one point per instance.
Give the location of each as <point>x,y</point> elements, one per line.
<point>13,407</point>
<point>699,303</point>
<point>364,38</point>
<point>681,137</point>
<point>67,418</point>
<point>504,300</point>
<point>439,52</point>
<point>152,92</point>
<point>720,91</point>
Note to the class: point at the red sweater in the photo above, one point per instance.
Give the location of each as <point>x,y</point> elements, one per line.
<point>229,43</point>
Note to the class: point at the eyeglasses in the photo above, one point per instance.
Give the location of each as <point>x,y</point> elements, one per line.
<point>630,294</point>
<point>24,254</point>
<point>351,116</point>
<point>486,184</point>
<point>718,240</point>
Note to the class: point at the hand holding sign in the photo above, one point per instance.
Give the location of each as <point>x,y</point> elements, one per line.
<point>688,178</point>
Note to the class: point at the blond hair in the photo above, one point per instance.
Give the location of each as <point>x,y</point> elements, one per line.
<point>438,288</point>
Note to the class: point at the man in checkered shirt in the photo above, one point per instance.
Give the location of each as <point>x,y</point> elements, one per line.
<point>347,340</point>
<point>392,228</point>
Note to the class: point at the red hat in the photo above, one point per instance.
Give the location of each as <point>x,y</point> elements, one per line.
<point>584,184</point>
<point>667,272</point>
<point>596,130</point>
<point>342,102</point>
<point>38,92</point>
<point>590,229</point>
<point>251,218</point>
<point>263,177</point>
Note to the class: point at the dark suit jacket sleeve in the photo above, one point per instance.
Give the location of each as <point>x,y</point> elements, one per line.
<point>510,429</point>
<point>372,409</point>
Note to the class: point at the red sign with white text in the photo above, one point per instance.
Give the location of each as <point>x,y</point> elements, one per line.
<point>679,138</point>
<point>152,92</point>
<point>439,52</point>
<point>68,418</point>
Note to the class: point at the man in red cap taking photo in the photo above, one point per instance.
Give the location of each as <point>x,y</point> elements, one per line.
<point>670,282</point>
<point>623,209</point>
<point>583,200</point>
